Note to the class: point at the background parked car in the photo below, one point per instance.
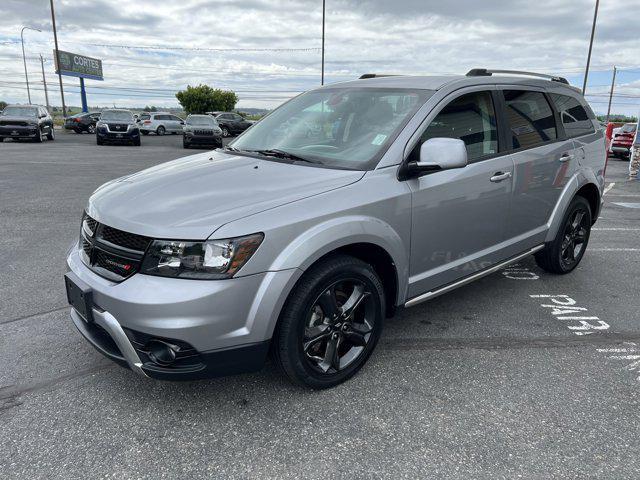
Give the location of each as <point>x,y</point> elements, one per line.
<point>82,122</point>
<point>117,126</point>
<point>231,123</point>
<point>201,130</point>
<point>622,140</point>
<point>160,123</point>
<point>26,121</point>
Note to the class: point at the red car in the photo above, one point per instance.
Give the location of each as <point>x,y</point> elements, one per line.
<point>622,141</point>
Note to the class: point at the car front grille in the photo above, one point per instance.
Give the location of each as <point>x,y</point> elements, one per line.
<point>15,123</point>
<point>111,253</point>
<point>118,127</point>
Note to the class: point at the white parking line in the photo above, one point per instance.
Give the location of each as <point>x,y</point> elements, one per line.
<point>608,188</point>
<point>614,249</point>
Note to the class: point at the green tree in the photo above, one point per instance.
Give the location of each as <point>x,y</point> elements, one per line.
<point>203,98</point>
<point>3,105</point>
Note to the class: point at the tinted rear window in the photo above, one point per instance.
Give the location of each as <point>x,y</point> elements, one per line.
<point>575,117</point>
<point>531,120</point>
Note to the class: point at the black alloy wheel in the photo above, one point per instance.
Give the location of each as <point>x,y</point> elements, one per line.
<point>331,322</point>
<point>569,246</point>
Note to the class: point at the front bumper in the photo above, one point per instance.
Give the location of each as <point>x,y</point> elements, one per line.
<point>227,323</point>
<point>18,131</point>
<point>115,137</point>
<point>624,149</point>
<point>202,139</point>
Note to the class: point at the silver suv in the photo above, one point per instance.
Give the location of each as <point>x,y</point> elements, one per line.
<point>300,244</point>
<point>160,123</point>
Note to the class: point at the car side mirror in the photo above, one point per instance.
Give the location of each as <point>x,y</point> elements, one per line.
<point>437,154</point>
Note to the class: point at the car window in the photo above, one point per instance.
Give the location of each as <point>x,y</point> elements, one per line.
<point>530,118</point>
<point>628,128</point>
<point>343,127</point>
<point>574,116</point>
<point>20,111</point>
<point>177,119</point>
<point>226,116</point>
<point>472,119</point>
<point>238,117</point>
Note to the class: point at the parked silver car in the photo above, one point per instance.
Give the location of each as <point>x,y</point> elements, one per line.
<point>160,123</point>
<point>301,245</point>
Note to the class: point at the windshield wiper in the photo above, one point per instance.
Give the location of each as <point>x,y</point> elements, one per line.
<point>275,152</point>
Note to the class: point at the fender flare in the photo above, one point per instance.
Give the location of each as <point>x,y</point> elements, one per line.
<point>579,179</point>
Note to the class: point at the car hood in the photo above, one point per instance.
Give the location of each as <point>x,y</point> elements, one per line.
<point>191,197</point>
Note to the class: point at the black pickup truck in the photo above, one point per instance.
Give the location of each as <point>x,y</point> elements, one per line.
<point>31,122</point>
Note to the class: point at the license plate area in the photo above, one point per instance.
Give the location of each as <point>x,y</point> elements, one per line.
<point>79,296</point>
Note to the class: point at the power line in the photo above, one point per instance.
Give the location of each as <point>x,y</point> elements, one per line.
<point>193,49</point>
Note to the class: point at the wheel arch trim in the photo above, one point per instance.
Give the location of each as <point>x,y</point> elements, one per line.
<point>580,179</point>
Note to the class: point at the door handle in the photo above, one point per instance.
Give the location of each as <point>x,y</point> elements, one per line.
<point>566,157</point>
<point>500,176</point>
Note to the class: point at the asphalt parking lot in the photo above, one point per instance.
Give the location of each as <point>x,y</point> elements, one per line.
<point>488,381</point>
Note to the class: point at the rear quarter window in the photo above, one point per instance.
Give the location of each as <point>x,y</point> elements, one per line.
<point>575,118</point>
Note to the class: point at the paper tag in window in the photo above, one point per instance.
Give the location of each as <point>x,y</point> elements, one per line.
<point>379,140</point>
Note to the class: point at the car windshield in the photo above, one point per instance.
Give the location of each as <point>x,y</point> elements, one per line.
<point>629,128</point>
<point>338,127</point>
<point>116,116</point>
<point>20,112</point>
<point>205,120</point>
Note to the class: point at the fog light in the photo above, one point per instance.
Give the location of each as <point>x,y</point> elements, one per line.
<point>160,352</point>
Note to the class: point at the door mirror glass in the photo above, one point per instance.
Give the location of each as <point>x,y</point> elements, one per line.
<point>442,154</point>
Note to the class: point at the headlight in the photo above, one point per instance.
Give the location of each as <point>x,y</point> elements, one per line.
<point>210,260</point>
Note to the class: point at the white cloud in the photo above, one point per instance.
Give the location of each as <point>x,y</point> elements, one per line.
<point>404,36</point>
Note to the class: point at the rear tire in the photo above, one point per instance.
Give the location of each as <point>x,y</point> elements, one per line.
<point>565,252</point>
<point>320,340</point>
<point>160,130</point>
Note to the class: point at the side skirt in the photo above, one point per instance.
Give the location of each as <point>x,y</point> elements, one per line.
<point>447,288</point>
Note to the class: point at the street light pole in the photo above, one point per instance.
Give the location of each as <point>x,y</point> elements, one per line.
<point>24,59</point>
<point>613,83</point>
<point>593,32</point>
<point>55,40</point>
<point>323,18</point>
<point>44,81</point>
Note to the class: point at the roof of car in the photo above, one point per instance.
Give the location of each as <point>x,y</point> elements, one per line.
<point>438,82</point>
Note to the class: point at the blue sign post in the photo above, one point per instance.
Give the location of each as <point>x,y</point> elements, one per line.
<point>74,65</point>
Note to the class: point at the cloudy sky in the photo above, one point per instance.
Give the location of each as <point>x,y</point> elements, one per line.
<point>269,50</point>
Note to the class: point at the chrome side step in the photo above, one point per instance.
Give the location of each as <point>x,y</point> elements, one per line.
<point>447,288</point>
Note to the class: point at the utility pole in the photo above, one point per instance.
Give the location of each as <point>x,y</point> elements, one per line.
<point>613,83</point>
<point>24,59</point>
<point>44,81</point>
<point>55,40</point>
<point>323,18</point>
<point>593,32</point>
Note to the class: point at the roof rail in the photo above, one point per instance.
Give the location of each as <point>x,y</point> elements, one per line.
<point>374,75</point>
<point>483,72</point>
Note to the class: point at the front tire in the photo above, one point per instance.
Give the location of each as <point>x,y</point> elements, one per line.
<point>225,132</point>
<point>51,136</point>
<point>567,249</point>
<point>40,137</point>
<point>330,323</point>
